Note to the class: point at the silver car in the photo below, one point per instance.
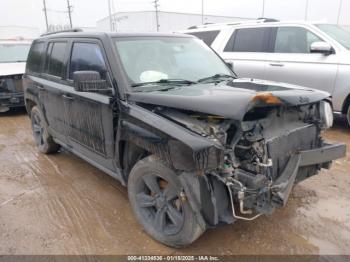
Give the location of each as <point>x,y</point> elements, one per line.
<point>315,55</point>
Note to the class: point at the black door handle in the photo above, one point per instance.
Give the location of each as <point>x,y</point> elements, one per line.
<point>68,97</point>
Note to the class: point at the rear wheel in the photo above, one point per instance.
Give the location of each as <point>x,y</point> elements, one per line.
<point>43,139</point>
<point>159,204</point>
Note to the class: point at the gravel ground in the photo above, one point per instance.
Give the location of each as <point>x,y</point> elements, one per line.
<point>59,204</point>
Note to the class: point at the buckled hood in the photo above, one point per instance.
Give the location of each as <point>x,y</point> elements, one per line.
<point>231,99</point>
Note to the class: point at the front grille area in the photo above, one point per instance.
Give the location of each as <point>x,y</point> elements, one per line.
<point>11,84</point>
<point>282,147</point>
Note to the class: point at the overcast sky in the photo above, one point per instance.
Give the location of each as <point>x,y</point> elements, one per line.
<point>87,12</point>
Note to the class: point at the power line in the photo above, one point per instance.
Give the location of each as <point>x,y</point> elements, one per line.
<point>69,7</point>
<point>156,5</point>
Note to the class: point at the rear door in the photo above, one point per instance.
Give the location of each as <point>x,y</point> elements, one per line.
<point>292,62</point>
<point>50,86</point>
<point>247,49</point>
<point>90,118</point>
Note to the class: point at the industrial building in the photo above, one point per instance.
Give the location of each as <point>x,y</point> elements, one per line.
<point>146,21</point>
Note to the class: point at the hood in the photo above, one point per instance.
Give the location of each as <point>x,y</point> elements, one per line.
<point>7,69</point>
<point>228,99</point>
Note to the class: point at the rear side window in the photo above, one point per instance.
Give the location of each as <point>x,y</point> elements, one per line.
<point>87,57</point>
<point>55,58</point>
<point>294,40</point>
<point>249,40</point>
<point>35,57</point>
<point>208,37</point>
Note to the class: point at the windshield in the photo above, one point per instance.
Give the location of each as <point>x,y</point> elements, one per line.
<point>338,33</point>
<point>13,52</point>
<point>180,60</point>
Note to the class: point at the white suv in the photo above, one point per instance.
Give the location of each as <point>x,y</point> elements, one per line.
<point>315,55</point>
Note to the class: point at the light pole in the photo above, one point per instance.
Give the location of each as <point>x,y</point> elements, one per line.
<point>306,9</point>
<point>339,10</point>
<point>156,5</point>
<point>110,16</point>
<point>70,13</point>
<point>263,9</point>
<point>45,13</point>
<point>202,12</point>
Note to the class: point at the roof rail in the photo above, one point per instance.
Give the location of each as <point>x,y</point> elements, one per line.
<point>73,30</point>
<point>238,22</point>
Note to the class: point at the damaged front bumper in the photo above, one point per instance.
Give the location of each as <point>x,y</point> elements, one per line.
<point>11,100</point>
<point>276,194</point>
<point>323,156</point>
<point>217,198</point>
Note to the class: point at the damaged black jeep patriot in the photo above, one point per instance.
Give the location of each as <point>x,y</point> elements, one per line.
<point>162,113</point>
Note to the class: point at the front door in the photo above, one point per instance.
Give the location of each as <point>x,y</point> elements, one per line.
<point>292,62</point>
<point>91,130</point>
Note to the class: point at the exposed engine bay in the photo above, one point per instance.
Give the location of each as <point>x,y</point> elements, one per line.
<point>261,163</point>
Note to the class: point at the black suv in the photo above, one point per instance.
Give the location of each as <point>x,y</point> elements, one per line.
<point>164,115</point>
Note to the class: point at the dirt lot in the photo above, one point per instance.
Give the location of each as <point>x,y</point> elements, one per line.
<point>59,204</point>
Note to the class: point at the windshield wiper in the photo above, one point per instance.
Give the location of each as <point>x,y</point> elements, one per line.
<point>216,77</point>
<point>166,81</point>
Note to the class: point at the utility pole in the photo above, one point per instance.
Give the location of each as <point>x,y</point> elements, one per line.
<point>45,13</point>
<point>263,9</point>
<point>202,12</point>
<point>339,10</point>
<point>156,5</point>
<point>306,9</point>
<point>70,13</point>
<point>110,16</point>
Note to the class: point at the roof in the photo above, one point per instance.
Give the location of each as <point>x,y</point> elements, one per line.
<point>104,34</point>
<point>261,22</point>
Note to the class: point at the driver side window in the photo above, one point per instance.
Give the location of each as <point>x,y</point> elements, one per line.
<point>87,57</point>
<point>294,40</point>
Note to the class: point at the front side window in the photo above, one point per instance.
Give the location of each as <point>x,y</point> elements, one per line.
<point>341,35</point>
<point>55,58</point>
<point>35,57</point>
<point>13,53</point>
<point>87,57</point>
<point>249,40</point>
<point>149,59</point>
<point>294,40</point>
<point>208,37</point>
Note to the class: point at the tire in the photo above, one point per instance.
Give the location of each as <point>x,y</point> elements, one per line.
<point>43,139</point>
<point>348,115</point>
<point>155,196</point>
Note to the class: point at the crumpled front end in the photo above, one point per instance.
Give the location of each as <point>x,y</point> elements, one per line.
<point>266,154</point>
<point>11,92</point>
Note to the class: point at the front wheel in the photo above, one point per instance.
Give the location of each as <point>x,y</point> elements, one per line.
<point>348,115</point>
<point>43,139</point>
<point>157,199</point>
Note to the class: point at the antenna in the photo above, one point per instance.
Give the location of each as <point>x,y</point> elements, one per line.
<point>156,5</point>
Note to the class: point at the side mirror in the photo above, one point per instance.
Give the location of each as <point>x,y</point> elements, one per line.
<point>89,81</point>
<point>321,48</point>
